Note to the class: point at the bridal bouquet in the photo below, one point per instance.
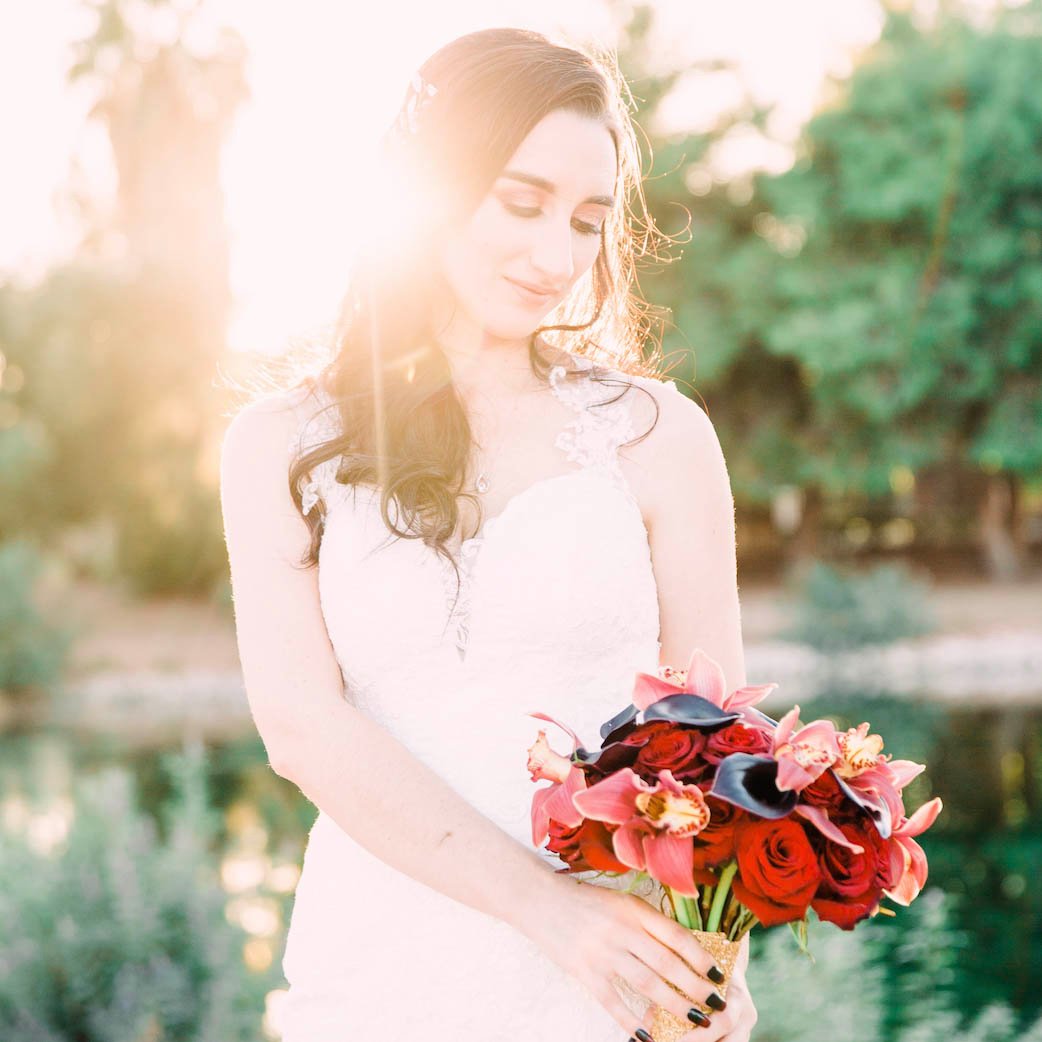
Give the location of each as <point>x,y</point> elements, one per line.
<point>742,819</point>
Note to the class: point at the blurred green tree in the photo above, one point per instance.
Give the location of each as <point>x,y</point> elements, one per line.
<point>114,413</point>
<point>875,311</point>
<point>916,301</point>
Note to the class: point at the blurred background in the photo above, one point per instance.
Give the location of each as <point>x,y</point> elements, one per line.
<point>856,189</point>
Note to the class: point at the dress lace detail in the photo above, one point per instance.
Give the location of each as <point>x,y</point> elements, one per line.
<point>317,422</point>
<point>591,440</point>
<point>558,613</point>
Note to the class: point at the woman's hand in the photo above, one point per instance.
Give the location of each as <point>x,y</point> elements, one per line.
<point>597,933</point>
<point>734,1024</point>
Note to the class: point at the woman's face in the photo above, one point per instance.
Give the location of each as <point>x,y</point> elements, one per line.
<point>540,225</point>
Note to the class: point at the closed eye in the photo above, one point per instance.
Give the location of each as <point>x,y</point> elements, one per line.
<point>531,211</point>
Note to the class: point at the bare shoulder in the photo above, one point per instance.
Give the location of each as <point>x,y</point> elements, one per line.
<point>681,452</point>
<point>260,435</point>
<point>265,418</point>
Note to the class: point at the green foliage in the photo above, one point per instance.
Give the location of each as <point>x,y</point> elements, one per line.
<point>25,453</point>
<point>800,1000</point>
<point>112,422</point>
<point>836,609</point>
<point>172,546</point>
<point>120,934</point>
<point>876,304</point>
<point>914,302</point>
<point>889,979</point>
<point>32,649</point>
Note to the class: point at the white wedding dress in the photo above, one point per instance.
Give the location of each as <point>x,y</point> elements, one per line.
<point>558,610</point>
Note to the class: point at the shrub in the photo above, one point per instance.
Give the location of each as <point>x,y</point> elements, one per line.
<point>836,610</point>
<point>118,934</point>
<point>888,980</point>
<point>32,649</point>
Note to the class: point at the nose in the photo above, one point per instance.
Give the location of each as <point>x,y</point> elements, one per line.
<point>551,255</point>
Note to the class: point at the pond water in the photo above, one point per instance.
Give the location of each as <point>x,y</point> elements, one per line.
<point>985,851</point>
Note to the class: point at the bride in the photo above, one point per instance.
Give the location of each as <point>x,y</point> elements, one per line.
<point>486,504</point>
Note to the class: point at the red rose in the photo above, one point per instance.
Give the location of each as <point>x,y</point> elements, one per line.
<point>563,841</point>
<point>852,884</point>
<point>587,847</point>
<point>677,749</point>
<point>825,792</point>
<point>715,843</point>
<point>777,870</point>
<point>623,752</point>
<point>736,738</point>
<point>642,733</point>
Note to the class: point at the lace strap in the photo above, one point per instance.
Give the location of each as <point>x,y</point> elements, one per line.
<point>602,424</point>
<point>317,422</point>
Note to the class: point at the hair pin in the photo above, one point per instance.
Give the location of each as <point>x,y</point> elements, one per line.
<point>417,98</point>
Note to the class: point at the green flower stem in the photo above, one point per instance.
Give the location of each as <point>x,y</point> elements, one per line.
<point>696,913</point>
<point>681,907</point>
<point>707,898</point>
<point>723,888</point>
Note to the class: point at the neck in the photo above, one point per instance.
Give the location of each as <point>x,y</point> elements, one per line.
<point>484,363</point>
<point>496,367</point>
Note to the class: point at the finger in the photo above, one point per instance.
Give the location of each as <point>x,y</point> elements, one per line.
<point>742,962</point>
<point>742,1014</point>
<point>611,1000</point>
<point>669,966</point>
<point>680,939</point>
<point>645,980</point>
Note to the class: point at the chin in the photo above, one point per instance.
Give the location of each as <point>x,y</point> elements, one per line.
<point>509,327</point>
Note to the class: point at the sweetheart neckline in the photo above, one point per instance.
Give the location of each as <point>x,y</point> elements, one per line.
<point>469,561</point>
<point>490,522</point>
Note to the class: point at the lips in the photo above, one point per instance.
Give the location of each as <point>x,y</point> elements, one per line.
<point>530,294</point>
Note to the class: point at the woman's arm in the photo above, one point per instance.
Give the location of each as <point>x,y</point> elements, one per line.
<point>692,537</point>
<point>693,542</point>
<point>346,764</point>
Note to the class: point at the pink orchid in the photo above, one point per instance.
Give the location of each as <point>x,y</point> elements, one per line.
<point>554,801</point>
<point>859,751</point>
<point>803,755</point>
<point>883,783</point>
<point>655,823</point>
<point>546,765</point>
<point>907,859</point>
<point>703,677</point>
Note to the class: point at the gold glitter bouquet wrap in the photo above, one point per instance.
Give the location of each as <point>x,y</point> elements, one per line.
<point>665,1027</point>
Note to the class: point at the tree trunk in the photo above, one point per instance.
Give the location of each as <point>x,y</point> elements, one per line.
<point>805,542</point>
<point>1001,550</point>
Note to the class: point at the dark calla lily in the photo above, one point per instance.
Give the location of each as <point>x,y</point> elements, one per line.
<point>691,710</point>
<point>747,781</point>
<point>620,732</point>
<point>611,757</point>
<point>623,717</point>
<point>874,806</point>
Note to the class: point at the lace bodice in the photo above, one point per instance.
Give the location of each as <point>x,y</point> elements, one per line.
<point>591,440</point>
<point>557,611</point>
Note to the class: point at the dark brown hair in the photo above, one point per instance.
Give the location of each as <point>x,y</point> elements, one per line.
<point>401,425</point>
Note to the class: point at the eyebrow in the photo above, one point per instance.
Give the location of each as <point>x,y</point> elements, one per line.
<point>549,186</point>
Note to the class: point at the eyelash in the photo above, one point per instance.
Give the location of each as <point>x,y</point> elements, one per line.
<point>526,211</point>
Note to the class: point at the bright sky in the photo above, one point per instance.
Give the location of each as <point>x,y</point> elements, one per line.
<point>290,208</point>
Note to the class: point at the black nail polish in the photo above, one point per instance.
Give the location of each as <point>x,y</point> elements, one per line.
<point>716,1001</point>
<point>644,1036</point>
<point>716,975</point>
<point>696,1016</point>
